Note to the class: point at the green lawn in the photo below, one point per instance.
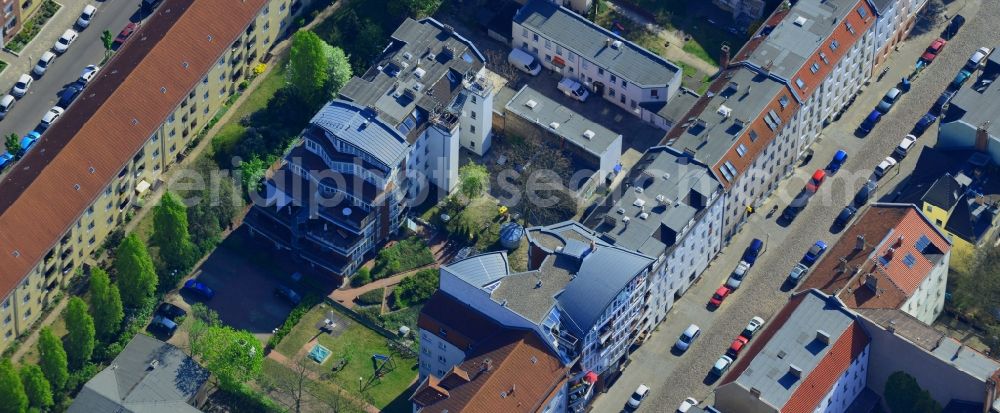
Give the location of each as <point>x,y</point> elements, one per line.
<point>688,16</point>
<point>323,392</point>
<point>357,343</point>
<point>232,131</point>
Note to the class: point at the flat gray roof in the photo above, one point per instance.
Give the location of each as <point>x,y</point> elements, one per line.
<point>674,110</point>
<point>662,171</point>
<point>795,343</point>
<point>978,101</point>
<point>583,37</point>
<point>481,270</point>
<point>571,125</point>
<point>362,128</point>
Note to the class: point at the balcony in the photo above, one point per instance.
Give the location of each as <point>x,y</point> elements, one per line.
<point>50,272</point>
<point>67,268</point>
<point>123,204</point>
<point>66,253</point>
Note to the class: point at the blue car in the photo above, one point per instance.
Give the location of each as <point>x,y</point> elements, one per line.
<point>753,251</point>
<point>196,288</point>
<point>28,141</point>
<point>5,159</point>
<point>814,253</point>
<point>869,123</point>
<point>960,79</point>
<point>925,122</point>
<point>838,160</point>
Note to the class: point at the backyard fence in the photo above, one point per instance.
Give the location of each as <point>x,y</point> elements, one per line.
<point>405,349</point>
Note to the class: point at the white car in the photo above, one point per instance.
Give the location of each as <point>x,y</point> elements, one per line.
<point>721,365</point>
<point>89,73</point>
<point>797,273</point>
<point>6,103</point>
<point>640,393</point>
<point>51,116</point>
<point>21,87</point>
<point>687,337</point>
<point>86,17</point>
<point>736,278</point>
<point>905,146</point>
<point>884,166</point>
<point>67,38</point>
<point>573,89</point>
<point>687,404</point>
<point>755,324</point>
<point>977,58</point>
<point>43,63</point>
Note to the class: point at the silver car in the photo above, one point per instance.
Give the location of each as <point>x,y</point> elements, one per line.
<point>21,87</point>
<point>43,63</point>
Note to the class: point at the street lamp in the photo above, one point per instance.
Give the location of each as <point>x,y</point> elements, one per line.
<point>361,384</point>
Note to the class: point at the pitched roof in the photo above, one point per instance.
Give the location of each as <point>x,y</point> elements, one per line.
<point>130,99</point>
<point>944,193</point>
<point>481,270</point>
<point>971,218</point>
<point>583,37</point>
<point>363,128</point>
<point>134,384</point>
<point>515,372</point>
<point>810,393</point>
<point>465,326</point>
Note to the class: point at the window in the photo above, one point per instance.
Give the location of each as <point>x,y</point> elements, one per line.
<point>741,150</point>
<point>862,12</point>
<point>822,56</point>
<point>27,314</point>
<point>283,6</point>
<point>814,68</point>
<point>441,359</point>
<point>834,45</point>
<point>800,83</point>
<point>753,136</point>
<point>559,50</point>
<point>534,37</point>
<point>473,100</point>
<point>783,101</point>
<point>624,84</point>
<point>611,92</point>
<point>6,304</point>
<point>524,45</point>
<point>7,320</point>
<point>654,93</point>
<point>27,296</point>
<point>524,32</point>
<point>441,346</point>
<point>206,95</point>
<point>472,114</point>
<point>850,28</point>
<point>472,128</point>
<point>472,144</point>
<point>548,44</point>
<point>600,71</point>
<point>614,78</point>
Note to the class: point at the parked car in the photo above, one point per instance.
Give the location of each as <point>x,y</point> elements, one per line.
<point>687,404</point>
<point>163,325</point>
<point>924,123</point>
<point>752,327</point>
<point>170,311</point>
<point>69,94</point>
<point>869,123</point>
<point>953,26</point>
<point>960,79</point>
<point>798,271</point>
<point>6,104</point>
<point>736,278</point>
<point>814,253</point>
<point>753,251</point>
<point>721,366</point>
<point>816,180</point>
<point>287,294</point>
<point>837,162</point>
<point>791,212</point>
<point>688,337</point>
<point>845,216</point>
<point>640,393</point>
<point>21,86</point>
<point>62,44</point>
<point>86,16</point>
<point>887,164</point>
<point>736,346</point>
<point>88,74</point>
<point>524,61</point>
<point>904,147</point>
<point>125,33</point>
<point>196,288</point>
<point>573,89</point>
<point>43,63</point>
<point>51,117</point>
<point>942,101</point>
<point>28,141</point>
<point>5,159</point>
<point>719,296</point>
<point>933,50</point>
<point>865,193</point>
<point>977,58</point>
<point>888,100</point>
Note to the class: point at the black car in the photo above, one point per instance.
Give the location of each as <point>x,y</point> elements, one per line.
<point>942,101</point>
<point>288,294</point>
<point>953,26</point>
<point>790,213</point>
<point>924,123</point>
<point>845,216</point>
<point>163,325</point>
<point>170,311</point>
<point>69,94</point>
<point>865,193</point>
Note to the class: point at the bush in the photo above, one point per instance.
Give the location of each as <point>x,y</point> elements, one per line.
<point>415,289</point>
<point>300,310</point>
<point>405,255</point>
<point>373,297</point>
<point>79,377</point>
<point>362,277</point>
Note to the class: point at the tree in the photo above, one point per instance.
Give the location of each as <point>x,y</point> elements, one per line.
<point>37,387</point>
<point>80,332</point>
<point>904,395</point>
<point>233,356</point>
<point>105,304</point>
<point>339,67</point>
<point>417,288</point>
<point>252,174</point>
<point>307,67</point>
<point>293,383</point>
<point>109,42</point>
<point>12,396</point>
<point>473,180</point>
<point>52,359</point>
<point>417,9</point>
<point>13,144</point>
<point>135,274</point>
<point>170,233</point>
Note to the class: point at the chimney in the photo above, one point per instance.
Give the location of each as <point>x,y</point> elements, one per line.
<point>888,254</point>
<point>860,245</point>
<point>724,59</point>
<point>607,42</point>
<point>487,365</point>
<point>795,371</point>
<point>982,136</point>
<point>892,326</point>
<point>899,242</point>
<point>755,392</point>
<point>823,337</point>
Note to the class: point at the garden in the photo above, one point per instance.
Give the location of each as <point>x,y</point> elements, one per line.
<point>31,27</point>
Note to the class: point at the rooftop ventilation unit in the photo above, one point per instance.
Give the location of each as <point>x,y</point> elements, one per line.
<point>407,55</point>
<point>660,199</point>
<point>795,370</point>
<point>419,72</point>
<point>800,21</point>
<point>589,134</point>
<point>617,44</point>
<point>639,203</point>
<point>554,125</point>
<point>725,111</point>
<point>621,210</point>
<point>644,215</point>
<point>531,104</point>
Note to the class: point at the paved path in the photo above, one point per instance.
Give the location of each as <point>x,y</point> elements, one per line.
<point>29,342</point>
<point>675,51</point>
<point>280,358</point>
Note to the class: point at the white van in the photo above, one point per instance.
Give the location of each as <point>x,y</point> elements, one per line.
<point>573,89</point>
<point>524,62</point>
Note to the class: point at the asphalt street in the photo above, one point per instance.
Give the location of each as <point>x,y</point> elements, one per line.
<point>112,15</point>
<point>671,378</point>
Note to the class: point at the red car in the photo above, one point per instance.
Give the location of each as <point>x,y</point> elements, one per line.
<point>816,180</point>
<point>125,33</point>
<point>719,296</point>
<point>936,47</point>
<point>738,344</point>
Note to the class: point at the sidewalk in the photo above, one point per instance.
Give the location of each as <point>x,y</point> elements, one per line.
<point>22,63</point>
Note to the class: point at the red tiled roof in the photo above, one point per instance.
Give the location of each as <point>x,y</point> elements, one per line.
<point>113,119</point>
<point>817,384</point>
<point>515,372</point>
<point>844,38</point>
<point>762,338</point>
<point>905,236</point>
<point>464,326</point>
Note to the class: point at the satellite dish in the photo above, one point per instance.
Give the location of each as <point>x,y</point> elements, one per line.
<point>346,212</point>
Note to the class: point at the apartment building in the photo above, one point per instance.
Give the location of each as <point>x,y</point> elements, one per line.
<point>892,256</point>
<point>771,103</point>
<point>76,187</point>
<point>743,11</point>
<point>969,120</point>
<point>338,195</point>
<point>895,20</point>
<point>625,74</point>
<point>812,357</point>
<point>429,85</point>
<point>669,207</point>
<point>965,208</point>
<point>450,329</point>
<point>15,13</point>
<point>585,298</point>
